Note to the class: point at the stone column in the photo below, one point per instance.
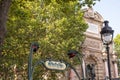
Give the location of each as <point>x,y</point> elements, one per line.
<point>115,65</point>
<point>106,67</point>
<point>83,64</point>
<point>115,69</point>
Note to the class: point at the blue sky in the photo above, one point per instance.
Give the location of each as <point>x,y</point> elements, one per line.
<point>110,10</point>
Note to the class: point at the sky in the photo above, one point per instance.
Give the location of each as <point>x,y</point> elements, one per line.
<point>110,10</point>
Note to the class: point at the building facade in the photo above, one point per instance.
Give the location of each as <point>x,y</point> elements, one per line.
<point>94,50</point>
<point>95,56</point>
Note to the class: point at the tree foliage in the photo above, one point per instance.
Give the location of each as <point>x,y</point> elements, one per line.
<point>117,44</point>
<point>56,24</point>
<point>117,49</point>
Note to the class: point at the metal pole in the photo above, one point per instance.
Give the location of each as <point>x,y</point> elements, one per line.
<point>80,60</point>
<point>33,48</point>
<point>108,56</point>
<point>74,71</point>
<point>30,64</point>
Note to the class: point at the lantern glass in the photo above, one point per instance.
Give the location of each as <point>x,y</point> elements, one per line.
<point>107,38</point>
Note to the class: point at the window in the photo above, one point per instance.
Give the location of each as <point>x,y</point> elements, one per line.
<point>93,28</point>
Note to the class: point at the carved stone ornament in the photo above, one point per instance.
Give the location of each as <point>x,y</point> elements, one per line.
<point>90,13</point>
<point>92,43</point>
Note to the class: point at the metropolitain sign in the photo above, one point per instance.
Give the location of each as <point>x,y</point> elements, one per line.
<point>55,65</point>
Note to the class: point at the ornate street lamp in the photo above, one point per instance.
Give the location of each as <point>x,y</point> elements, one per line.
<point>107,38</point>
<point>106,34</point>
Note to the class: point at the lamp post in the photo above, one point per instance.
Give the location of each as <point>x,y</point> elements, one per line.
<point>72,53</point>
<point>107,37</point>
<point>33,48</point>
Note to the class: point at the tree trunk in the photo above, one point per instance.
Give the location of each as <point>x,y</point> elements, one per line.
<point>4,8</point>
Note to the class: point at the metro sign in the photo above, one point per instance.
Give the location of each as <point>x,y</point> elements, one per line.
<point>55,65</point>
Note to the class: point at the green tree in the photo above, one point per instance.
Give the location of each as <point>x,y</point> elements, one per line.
<point>117,49</point>
<point>58,26</point>
<point>117,44</point>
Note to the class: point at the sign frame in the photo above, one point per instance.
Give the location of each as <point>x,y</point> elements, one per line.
<point>55,65</point>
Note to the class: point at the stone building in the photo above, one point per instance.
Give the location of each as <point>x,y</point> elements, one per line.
<point>94,51</point>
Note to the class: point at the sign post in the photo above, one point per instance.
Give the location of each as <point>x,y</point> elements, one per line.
<point>49,64</point>
<point>52,65</point>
